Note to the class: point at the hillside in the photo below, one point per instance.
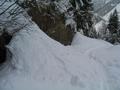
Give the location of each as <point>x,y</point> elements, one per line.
<point>106,8</point>
<point>37,62</point>
<point>42,63</point>
<point>106,16</point>
<point>50,63</point>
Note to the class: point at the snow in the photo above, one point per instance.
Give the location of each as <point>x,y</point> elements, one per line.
<point>105,54</point>
<point>37,59</point>
<point>41,63</point>
<point>111,64</point>
<point>84,43</point>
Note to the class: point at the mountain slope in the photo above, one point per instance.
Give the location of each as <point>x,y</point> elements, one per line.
<point>106,16</point>
<point>41,63</point>
<point>105,9</point>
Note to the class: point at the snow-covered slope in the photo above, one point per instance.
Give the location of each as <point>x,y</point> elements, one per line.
<point>105,54</point>
<point>40,63</point>
<point>39,59</point>
<point>84,43</point>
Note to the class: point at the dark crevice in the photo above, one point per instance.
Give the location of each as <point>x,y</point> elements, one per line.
<point>5,38</point>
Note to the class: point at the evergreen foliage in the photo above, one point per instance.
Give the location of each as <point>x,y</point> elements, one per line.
<point>113,22</point>
<point>113,28</point>
<point>84,17</point>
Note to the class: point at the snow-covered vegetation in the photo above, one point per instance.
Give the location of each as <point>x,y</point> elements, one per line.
<point>109,27</point>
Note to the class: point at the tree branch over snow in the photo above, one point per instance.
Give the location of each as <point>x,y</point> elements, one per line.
<point>7,8</point>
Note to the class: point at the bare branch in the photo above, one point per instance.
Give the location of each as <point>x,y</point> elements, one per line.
<point>3,3</point>
<point>8,8</point>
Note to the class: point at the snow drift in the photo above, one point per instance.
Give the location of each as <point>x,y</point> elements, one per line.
<point>42,63</point>
<point>39,59</point>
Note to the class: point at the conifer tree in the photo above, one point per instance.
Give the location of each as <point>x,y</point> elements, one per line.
<point>84,17</point>
<point>113,22</point>
<point>113,27</point>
